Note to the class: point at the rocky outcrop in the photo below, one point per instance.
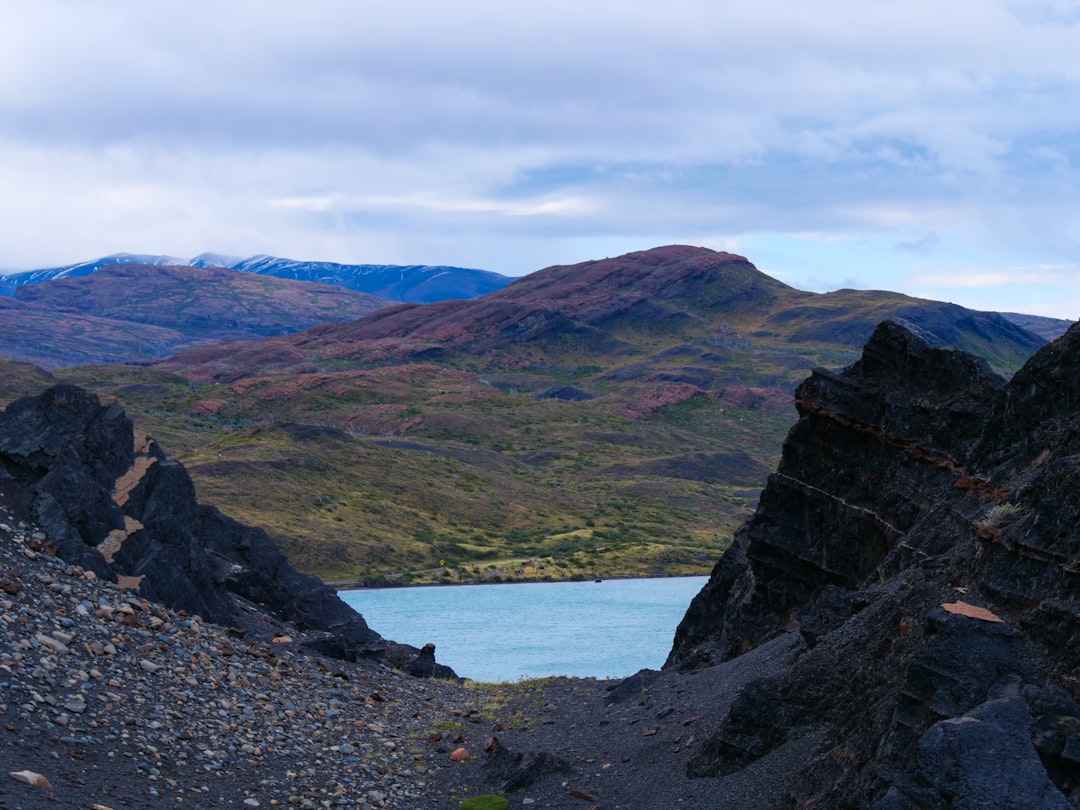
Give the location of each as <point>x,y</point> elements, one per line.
<point>920,537</point>
<point>111,502</point>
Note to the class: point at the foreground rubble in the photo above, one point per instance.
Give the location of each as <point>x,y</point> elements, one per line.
<point>119,702</point>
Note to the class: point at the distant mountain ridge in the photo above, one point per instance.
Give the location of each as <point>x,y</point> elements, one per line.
<point>414,283</point>
<point>1049,328</point>
<point>610,418</point>
<point>128,313</point>
<point>657,311</point>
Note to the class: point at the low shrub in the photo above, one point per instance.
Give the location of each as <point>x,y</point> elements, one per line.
<point>484,803</point>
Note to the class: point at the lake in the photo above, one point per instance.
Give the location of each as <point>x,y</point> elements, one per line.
<point>506,632</point>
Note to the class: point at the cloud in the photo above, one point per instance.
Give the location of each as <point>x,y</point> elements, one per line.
<point>923,245</point>
<point>515,135</point>
<point>975,277</point>
<point>562,207</point>
<point>686,81</point>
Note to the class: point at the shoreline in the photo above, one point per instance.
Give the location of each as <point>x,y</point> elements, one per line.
<point>114,700</point>
<point>351,585</point>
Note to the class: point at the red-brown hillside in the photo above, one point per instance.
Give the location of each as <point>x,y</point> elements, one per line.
<point>132,313</point>
<point>663,288</point>
<point>670,314</point>
<point>612,417</point>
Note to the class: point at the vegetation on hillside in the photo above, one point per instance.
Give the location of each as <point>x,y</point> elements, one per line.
<point>617,418</point>
<point>423,474</point>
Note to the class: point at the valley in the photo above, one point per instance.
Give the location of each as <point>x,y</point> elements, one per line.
<point>616,418</point>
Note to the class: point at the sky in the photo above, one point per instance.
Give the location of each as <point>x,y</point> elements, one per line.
<point>925,147</point>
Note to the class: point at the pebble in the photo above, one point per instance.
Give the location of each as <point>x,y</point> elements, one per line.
<point>188,715</point>
<point>31,778</point>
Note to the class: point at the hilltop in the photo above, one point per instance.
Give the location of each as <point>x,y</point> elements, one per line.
<point>681,308</point>
<point>612,418</point>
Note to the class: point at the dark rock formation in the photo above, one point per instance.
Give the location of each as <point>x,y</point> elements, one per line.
<point>922,535</point>
<point>567,393</point>
<point>113,503</point>
<point>514,772</point>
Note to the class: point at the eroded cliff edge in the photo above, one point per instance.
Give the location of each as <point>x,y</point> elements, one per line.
<point>112,502</point>
<point>920,541</point>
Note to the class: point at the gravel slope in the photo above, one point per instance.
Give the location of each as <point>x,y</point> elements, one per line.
<point>120,703</point>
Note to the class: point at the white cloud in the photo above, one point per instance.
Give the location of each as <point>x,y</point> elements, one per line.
<point>975,277</point>
<point>509,135</point>
<point>924,244</point>
<point>565,206</point>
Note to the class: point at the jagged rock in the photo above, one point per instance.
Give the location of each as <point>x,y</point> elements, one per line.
<point>985,760</point>
<point>517,771</point>
<point>418,663</point>
<point>69,450</point>
<point>114,504</point>
<point>567,393</point>
<point>916,480</point>
<point>632,687</point>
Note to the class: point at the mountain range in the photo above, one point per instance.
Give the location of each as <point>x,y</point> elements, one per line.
<point>615,417</point>
<point>130,313</point>
<point>687,310</point>
<point>416,283</point>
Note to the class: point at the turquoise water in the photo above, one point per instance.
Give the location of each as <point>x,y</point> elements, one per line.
<point>607,629</point>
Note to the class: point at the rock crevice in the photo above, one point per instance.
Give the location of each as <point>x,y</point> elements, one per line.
<point>923,537</point>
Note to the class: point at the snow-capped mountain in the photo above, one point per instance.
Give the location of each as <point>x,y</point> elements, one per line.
<point>90,267</point>
<point>421,284</point>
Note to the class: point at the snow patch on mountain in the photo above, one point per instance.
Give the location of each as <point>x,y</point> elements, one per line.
<point>420,284</point>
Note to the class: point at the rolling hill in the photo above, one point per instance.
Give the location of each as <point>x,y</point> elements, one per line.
<point>616,417</point>
<point>638,315</point>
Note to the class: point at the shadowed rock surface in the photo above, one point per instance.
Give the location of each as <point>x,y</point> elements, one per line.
<point>113,503</point>
<point>920,535</point>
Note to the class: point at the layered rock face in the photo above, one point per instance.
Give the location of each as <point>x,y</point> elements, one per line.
<point>113,503</point>
<point>921,541</point>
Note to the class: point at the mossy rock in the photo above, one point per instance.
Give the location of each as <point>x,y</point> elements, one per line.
<point>484,803</point>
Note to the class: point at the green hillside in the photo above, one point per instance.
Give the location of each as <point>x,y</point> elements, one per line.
<point>615,418</point>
